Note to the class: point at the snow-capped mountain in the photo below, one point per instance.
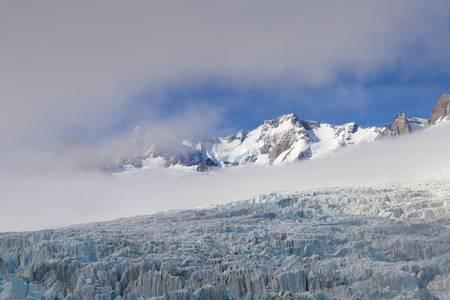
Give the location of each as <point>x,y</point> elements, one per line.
<point>286,139</point>
<point>278,141</point>
<point>282,140</point>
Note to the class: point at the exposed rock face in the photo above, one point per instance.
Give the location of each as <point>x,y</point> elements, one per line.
<point>206,165</point>
<point>353,243</point>
<point>404,125</point>
<point>442,109</point>
<point>400,125</point>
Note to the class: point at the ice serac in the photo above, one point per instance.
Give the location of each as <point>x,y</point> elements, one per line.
<point>387,241</point>
<point>441,111</point>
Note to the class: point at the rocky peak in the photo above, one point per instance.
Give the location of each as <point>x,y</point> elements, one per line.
<point>400,125</point>
<point>289,118</point>
<point>403,124</point>
<point>442,109</point>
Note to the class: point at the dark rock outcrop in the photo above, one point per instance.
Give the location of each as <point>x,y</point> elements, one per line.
<point>206,165</point>
<point>442,109</point>
<point>400,125</point>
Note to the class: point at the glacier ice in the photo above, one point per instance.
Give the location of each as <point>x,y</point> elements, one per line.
<point>388,241</point>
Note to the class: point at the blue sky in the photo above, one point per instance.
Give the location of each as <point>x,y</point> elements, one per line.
<point>372,101</point>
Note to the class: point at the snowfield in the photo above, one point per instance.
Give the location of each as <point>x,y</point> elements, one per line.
<point>389,241</point>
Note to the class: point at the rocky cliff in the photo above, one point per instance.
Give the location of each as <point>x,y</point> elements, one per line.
<point>404,125</point>
<point>441,111</point>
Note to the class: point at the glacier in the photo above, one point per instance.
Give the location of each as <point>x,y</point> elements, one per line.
<point>380,241</point>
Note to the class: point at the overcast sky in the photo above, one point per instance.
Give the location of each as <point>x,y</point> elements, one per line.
<point>88,68</point>
<point>88,71</point>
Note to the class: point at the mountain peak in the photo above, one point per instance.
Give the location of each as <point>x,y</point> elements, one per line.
<point>286,118</point>
<point>442,109</point>
<point>401,115</point>
<point>400,125</point>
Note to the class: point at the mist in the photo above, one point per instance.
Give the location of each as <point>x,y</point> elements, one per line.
<point>64,196</point>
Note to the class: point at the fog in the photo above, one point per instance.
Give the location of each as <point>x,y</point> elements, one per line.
<point>58,197</point>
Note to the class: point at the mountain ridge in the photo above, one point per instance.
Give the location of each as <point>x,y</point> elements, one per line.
<point>281,140</point>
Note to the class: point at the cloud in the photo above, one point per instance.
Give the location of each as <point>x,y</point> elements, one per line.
<point>68,66</point>
<point>62,197</point>
<point>194,122</point>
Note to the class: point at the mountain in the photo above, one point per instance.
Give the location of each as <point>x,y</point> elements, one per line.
<point>403,124</point>
<point>287,138</point>
<point>279,141</point>
<point>441,111</point>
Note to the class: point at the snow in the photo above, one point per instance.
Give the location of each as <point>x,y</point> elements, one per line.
<point>441,120</point>
<point>323,139</point>
<point>417,123</point>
